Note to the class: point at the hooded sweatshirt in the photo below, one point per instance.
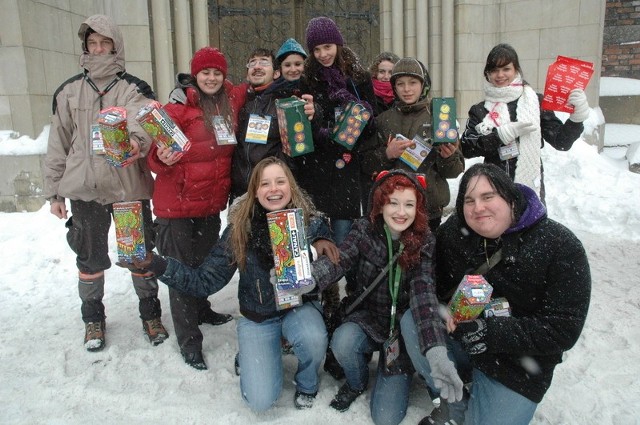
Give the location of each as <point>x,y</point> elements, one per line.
<point>72,170</point>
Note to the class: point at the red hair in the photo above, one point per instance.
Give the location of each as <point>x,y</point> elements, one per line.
<point>414,236</point>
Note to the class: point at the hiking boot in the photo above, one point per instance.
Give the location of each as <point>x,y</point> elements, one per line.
<point>211,317</point>
<point>345,396</point>
<point>155,331</point>
<point>94,335</point>
<point>195,360</point>
<point>303,400</point>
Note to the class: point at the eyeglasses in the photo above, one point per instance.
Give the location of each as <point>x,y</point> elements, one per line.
<point>259,62</point>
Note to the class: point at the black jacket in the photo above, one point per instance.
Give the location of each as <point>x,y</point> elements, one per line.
<point>545,276</point>
<point>560,136</point>
<point>334,190</point>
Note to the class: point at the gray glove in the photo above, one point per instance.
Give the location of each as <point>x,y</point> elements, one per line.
<point>512,130</point>
<point>578,99</point>
<point>444,374</point>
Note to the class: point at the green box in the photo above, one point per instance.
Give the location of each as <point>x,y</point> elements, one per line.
<point>444,127</point>
<point>295,128</point>
<point>350,124</point>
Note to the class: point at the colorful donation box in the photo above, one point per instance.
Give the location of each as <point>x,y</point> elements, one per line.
<point>291,256</point>
<point>471,297</point>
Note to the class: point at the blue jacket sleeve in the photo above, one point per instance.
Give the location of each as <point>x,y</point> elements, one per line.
<point>212,275</point>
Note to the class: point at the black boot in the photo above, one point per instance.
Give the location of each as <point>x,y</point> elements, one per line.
<point>195,360</point>
<point>211,317</point>
<point>345,396</point>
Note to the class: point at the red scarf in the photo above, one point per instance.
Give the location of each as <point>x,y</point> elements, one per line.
<point>383,90</point>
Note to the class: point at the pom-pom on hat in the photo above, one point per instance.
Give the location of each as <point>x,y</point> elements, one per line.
<point>322,30</point>
<point>290,46</point>
<point>208,57</point>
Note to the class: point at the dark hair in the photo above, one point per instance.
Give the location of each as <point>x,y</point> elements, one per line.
<point>214,104</point>
<point>499,181</point>
<point>501,55</point>
<point>346,60</point>
<point>384,56</point>
<point>260,51</point>
<point>414,236</point>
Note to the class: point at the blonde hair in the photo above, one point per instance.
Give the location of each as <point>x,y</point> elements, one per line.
<point>241,213</point>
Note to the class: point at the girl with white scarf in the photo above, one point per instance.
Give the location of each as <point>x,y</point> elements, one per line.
<point>508,128</point>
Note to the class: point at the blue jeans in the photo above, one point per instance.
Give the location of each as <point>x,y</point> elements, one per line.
<point>390,394</point>
<point>490,402</point>
<point>260,350</point>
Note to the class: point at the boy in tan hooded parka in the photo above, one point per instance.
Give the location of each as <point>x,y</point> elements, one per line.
<point>74,171</point>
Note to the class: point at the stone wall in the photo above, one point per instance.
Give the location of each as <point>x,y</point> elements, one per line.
<point>621,39</point>
<point>21,183</point>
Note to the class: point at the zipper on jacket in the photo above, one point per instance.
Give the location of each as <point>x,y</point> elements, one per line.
<point>259,291</point>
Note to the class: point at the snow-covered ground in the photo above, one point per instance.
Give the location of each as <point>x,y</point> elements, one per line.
<point>48,378</point>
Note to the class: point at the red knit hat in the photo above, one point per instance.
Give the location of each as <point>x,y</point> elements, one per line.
<point>208,57</point>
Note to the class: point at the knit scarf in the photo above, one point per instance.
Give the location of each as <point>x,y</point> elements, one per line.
<point>383,90</point>
<point>527,110</point>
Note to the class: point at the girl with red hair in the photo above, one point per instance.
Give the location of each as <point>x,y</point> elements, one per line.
<point>392,249</point>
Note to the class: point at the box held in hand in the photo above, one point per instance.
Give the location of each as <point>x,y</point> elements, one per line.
<point>350,124</point>
<point>129,231</point>
<point>290,252</point>
<point>162,129</point>
<point>564,75</point>
<point>294,125</point>
<point>471,297</point>
<point>444,120</point>
<point>112,122</point>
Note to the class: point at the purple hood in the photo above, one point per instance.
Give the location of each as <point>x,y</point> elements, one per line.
<point>533,212</point>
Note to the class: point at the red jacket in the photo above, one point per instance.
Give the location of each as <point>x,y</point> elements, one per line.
<point>198,185</point>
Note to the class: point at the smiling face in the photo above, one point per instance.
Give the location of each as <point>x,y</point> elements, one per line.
<point>408,89</point>
<point>502,76</point>
<point>274,189</point>
<point>292,66</point>
<point>326,54</point>
<point>384,71</point>
<point>400,212</point>
<point>98,44</point>
<point>260,71</point>
<point>210,80</point>
<point>485,211</point>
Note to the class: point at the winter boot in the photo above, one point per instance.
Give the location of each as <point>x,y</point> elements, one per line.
<point>213,318</point>
<point>345,396</point>
<point>195,360</point>
<point>150,313</point>
<point>94,339</point>
<point>155,331</point>
<point>303,400</point>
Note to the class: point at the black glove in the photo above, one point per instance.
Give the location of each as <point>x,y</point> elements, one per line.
<point>472,336</point>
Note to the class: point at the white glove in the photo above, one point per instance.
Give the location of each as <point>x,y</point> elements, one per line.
<point>444,374</point>
<point>581,109</point>
<point>512,130</point>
